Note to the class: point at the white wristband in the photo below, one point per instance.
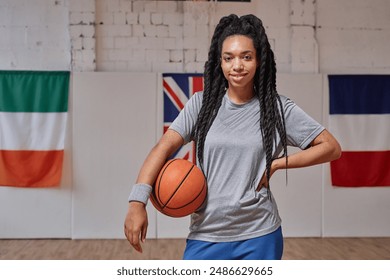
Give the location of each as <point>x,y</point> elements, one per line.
<point>140,192</point>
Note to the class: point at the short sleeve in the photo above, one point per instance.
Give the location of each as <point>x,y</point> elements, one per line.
<point>301,128</point>
<point>185,122</point>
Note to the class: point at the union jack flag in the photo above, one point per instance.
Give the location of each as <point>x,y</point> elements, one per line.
<point>177,89</point>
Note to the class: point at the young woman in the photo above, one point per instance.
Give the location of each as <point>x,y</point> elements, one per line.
<point>241,126</point>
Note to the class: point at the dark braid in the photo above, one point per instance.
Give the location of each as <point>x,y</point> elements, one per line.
<point>272,123</point>
<point>213,90</point>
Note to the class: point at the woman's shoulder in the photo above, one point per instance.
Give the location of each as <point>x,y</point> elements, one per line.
<point>285,100</point>
<point>198,95</point>
<point>196,98</point>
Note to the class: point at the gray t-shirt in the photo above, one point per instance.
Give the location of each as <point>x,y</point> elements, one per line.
<point>234,162</point>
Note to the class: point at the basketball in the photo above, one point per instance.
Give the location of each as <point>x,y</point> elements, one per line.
<point>180,188</point>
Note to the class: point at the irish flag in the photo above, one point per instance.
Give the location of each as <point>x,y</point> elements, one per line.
<point>360,120</point>
<point>33,114</point>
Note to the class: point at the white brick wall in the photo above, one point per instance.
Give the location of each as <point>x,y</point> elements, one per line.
<point>354,36</point>
<point>332,36</point>
<point>157,32</point>
<point>34,36</point>
<point>82,34</point>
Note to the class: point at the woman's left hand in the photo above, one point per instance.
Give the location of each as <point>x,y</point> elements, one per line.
<point>263,183</point>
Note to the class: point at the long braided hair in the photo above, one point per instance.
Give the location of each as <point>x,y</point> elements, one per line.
<point>272,121</point>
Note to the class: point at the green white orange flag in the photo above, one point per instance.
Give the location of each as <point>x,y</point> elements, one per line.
<point>33,115</point>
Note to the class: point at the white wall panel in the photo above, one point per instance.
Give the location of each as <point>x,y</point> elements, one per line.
<point>114,129</point>
<point>300,201</point>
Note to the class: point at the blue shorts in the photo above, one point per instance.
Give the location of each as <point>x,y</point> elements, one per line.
<point>267,247</point>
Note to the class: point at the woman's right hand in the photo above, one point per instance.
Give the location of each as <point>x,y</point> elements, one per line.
<point>136,224</point>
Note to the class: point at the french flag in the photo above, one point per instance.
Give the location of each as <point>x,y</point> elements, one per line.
<point>360,120</point>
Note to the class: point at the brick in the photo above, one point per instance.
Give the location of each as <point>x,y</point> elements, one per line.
<point>144,18</point>
<point>152,43</point>
<point>150,30</point>
<point>77,55</point>
<point>167,6</point>
<point>122,30</point>
<point>138,30</point>
<point>176,56</point>
<point>162,31</point>
<point>202,30</point>
<point>302,12</point>
<point>157,18</point>
<point>157,55</point>
<point>150,6</point>
<point>88,17</point>
<point>105,43</point>
<point>118,54</point>
<point>173,19</point>
<point>189,56</point>
<point>75,18</point>
<point>119,18</point>
<point>75,31</point>
<point>179,43</point>
<point>138,6</point>
<point>175,31</point>
<point>81,5</point>
<point>103,55</point>
<point>201,55</point>
<point>105,18</point>
<point>189,42</point>
<point>131,18</point>
<point>196,14</point>
<point>89,43</point>
<point>125,5</point>
<point>189,30</point>
<point>77,43</point>
<point>88,31</point>
<point>170,44</point>
<point>108,5</point>
<point>125,42</point>
<point>88,56</point>
<point>162,55</point>
<point>138,55</point>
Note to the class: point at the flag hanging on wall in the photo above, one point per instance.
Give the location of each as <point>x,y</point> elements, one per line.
<point>33,114</point>
<point>360,119</point>
<point>177,89</point>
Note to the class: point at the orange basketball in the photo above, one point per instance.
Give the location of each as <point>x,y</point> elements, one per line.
<point>180,188</point>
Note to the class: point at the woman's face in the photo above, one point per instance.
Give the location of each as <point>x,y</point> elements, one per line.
<point>239,62</point>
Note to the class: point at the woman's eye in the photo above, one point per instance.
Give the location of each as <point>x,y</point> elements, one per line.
<point>247,57</point>
<point>227,58</point>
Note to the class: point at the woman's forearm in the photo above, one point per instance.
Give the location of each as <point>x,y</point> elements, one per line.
<point>324,148</point>
<point>157,157</point>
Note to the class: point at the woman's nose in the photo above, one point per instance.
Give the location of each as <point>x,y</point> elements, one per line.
<point>237,64</point>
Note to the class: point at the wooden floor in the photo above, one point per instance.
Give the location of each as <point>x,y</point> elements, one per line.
<point>171,249</point>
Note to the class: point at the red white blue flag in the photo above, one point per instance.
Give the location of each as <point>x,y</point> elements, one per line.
<point>177,90</point>
<point>360,120</point>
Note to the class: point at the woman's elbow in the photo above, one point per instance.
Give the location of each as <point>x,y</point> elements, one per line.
<point>335,150</point>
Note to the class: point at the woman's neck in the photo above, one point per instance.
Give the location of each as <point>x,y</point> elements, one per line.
<point>240,95</point>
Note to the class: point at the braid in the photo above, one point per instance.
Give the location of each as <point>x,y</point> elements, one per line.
<point>272,123</point>
<point>213,88</point>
